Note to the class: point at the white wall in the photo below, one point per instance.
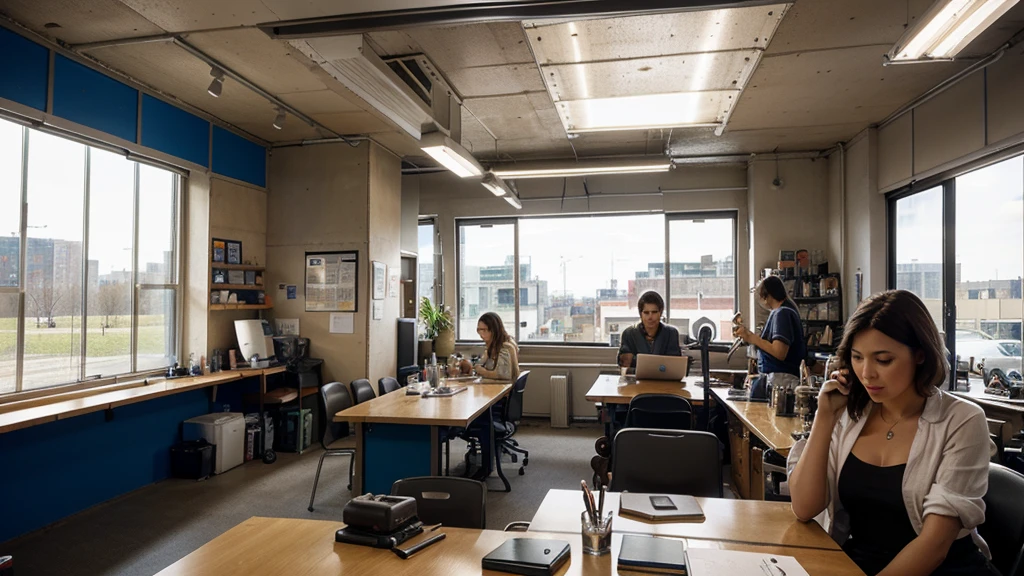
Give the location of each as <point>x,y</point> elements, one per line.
<point>385,235</point>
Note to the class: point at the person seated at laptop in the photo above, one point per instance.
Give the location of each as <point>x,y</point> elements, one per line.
<point>501,355</point>
<point>781,344</point>
<point>651,335</point>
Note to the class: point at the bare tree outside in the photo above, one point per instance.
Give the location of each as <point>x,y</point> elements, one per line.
<point>111,300</point>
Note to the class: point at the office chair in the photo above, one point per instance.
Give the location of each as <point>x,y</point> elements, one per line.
<point>666,462</point>
<point>404,372</point>
<point>457,502</point>
<point>386,385</point>
<point>362,391</point>
<point>662,411</point>
<point>1003,529</point>
<point>505,427</point>
<point>334,398</point>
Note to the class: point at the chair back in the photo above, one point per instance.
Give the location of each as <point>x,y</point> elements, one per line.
<point>514,404</point>
<point>1003,529</point>
<point>404,372</point>
<point>334,398</point>
<point>362,390</point>
<point>387,385</point>
<point>452,501</point>
<point>662,411</point>
<point>667,462</point>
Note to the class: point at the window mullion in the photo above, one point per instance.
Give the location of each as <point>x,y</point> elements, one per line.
<point>23,262</point>
<point>515,274</point>
<point>949,272</point>
<point>135,292</point>
<point>83,338</point>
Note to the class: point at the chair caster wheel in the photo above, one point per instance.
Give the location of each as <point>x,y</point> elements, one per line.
<point>526,461</point>
<point>349,487</point>
<point>269,457</point>
<point>310,508</point>
<point>514,458</point>
<point>521,471</point>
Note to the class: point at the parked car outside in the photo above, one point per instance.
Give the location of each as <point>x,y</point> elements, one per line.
<point>990,353</point>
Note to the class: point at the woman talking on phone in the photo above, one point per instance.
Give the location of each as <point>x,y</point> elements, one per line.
<point>900,465</point>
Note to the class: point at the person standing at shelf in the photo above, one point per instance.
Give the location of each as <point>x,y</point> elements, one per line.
<point>651,335</point>
<point>781,345</point>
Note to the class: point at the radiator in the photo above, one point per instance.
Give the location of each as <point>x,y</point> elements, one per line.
<point>560,400</point>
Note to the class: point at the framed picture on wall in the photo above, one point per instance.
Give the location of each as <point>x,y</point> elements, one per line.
<point>233,249</point>
<point>217,253</point>
<point>380,272</point>
<point>331,281</point>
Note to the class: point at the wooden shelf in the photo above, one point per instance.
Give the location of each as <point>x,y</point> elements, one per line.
<point>236,266</point>
<point>236,287</point>
<point>240,307</point>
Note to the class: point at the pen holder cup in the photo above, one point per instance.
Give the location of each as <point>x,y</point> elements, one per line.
<point>597,538</point>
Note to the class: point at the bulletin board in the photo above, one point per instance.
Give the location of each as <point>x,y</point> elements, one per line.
<point>332,281</point>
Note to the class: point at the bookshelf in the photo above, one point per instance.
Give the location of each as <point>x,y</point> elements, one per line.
<point>250,296</point>
<point>819,300</point>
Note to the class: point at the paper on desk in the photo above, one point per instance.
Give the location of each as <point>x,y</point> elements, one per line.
<point>342,323</point>
<point>287,326</point>
<point>714,562</point>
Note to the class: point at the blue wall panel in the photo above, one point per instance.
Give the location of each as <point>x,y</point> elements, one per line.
<point>53,470</point>
<point>23,70</point>
<point>174,131</point>
<point>90,98</point>
<point>238,158</point>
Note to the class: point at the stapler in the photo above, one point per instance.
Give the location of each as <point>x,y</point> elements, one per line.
<point>737,320</point>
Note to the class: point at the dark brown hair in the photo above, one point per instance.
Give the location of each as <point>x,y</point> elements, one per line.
<point>902,316</point>
<point>650,297</point>
<point>773,286</point>
<point>498,334</point>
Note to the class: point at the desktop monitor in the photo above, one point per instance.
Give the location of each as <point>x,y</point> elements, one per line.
<point>254,337</point>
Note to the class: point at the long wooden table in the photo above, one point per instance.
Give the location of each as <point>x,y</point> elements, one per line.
<point>271,546</point>
<point>740,521</point>
<point>610,391</point>
<point>398,435</point>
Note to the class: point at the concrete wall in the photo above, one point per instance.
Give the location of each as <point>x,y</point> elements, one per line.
<point>385,236</point>
<point>978,116</point>
<point>410,214</point>
<point>236,212</point>
<point>318,201</point>
<point>865,220</point>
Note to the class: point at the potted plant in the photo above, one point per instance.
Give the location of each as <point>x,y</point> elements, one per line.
<point>438,329</point>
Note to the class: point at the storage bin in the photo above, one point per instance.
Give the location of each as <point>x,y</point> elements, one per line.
<point>226,431</point>
<point>289,434</point>
<point>192,459</point>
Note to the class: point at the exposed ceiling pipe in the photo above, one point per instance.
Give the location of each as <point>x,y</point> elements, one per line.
<point>311,142</point>
<point>953,80</point>
<point>121,42</point>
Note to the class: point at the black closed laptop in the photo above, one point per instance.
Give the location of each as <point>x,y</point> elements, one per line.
<point>650,554</point>
<point>528,556</point>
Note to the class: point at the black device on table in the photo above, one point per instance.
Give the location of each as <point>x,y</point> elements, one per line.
<point>528,556</point>
<point>379,521</point>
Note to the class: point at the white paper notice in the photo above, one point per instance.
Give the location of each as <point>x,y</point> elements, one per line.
<point>378,309</point>
<point>287,326</point>
<point>342,323</point>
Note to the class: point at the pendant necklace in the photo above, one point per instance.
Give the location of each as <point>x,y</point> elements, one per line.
<point>889,434</point>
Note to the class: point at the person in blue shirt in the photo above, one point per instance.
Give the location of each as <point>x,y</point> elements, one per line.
<point>781,345</point>
<point>651,335</point>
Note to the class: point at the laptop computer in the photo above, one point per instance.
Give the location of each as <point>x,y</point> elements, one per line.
<point>654,367</point>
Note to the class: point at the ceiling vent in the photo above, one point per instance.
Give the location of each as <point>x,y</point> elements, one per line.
<point>407,90</point>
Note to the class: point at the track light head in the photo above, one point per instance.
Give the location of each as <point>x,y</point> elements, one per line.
<point>279,120</point>
<point>217,85</point>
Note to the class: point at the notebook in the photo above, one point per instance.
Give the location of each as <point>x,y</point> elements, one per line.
<point>528,556</point>
<point>652,554</point>
<point>655,507</point>
<point>714,562</point>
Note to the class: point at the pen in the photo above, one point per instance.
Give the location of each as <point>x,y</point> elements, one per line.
<point>405,554</point>
<point>600,505</point>
<point>588,501</point>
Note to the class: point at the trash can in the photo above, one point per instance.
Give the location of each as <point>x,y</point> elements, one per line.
<point>225,430</point>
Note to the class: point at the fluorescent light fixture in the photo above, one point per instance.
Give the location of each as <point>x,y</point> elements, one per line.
<point>496,185</point>
<point>947,28</point>
<point>513,200</point>
<point>279,120</point>
<point>550,170</point>
<point>450,154</point>
<point>647,111</point>
<point>217,85</point>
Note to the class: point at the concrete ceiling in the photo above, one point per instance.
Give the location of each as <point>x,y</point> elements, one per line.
<point>819,81</point>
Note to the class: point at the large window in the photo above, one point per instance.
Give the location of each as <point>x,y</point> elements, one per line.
<point>969,271</point>
<point>98,296</point>
<point>579,277</point>
<point>426,260</point>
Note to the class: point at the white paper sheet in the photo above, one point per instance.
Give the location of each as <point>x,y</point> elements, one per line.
<point>713,562</point>
<point>287,326</point>
<point>342,323</point>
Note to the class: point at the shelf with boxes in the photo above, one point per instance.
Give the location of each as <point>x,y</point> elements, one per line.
<point>817,294</point>
<point>237,287</point>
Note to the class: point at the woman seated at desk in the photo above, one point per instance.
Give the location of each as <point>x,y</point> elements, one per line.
<point>900,465</point>
<point>501,355</point>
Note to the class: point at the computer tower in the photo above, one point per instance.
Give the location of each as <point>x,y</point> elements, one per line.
<point>407,342</point>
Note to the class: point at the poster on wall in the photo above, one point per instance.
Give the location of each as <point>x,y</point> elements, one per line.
<point>331,281</point>
<point>379,278</point>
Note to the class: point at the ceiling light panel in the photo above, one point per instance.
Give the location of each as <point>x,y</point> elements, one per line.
<point>652,71</point>
<point>947,28</point>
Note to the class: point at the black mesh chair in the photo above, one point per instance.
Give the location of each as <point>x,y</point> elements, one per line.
<point>387,385</point>
<point>666,462</point>
<point>505,427</point>
<point>1003,529</point>
<point>334,398</point>
<point>404,372</point>
<point>663,411</point>
<point>362,390</point>
<point>457,502</point>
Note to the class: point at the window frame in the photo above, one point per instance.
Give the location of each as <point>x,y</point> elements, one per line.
<point>668,217</point>
<point>179,181</point>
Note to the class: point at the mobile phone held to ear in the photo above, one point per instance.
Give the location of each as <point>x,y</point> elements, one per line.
<point>662,503</point>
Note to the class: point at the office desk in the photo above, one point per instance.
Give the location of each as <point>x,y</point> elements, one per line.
<point>272,546</point>
<point>755,419</point>
<point>398,436</point>
<point>608,391</point>
<point>741,521</point>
